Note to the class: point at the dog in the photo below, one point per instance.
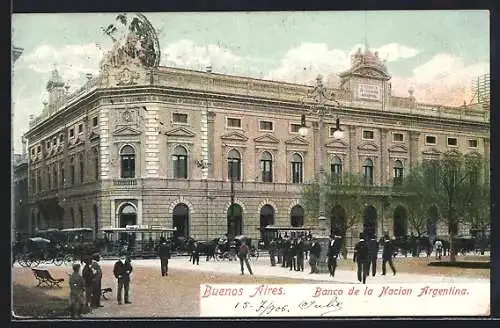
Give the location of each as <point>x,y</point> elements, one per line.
<point>104,291</point>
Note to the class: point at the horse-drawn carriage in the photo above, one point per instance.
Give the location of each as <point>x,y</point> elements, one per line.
<point>135,240</point>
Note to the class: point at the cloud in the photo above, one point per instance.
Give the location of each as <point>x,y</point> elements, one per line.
<point>187,54</point>
<point>445,79</point>
<point>304,63</point>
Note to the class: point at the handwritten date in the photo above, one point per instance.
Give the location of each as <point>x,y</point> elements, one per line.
<point>270,308</point>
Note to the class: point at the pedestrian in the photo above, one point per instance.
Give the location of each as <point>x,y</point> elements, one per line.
<point>88,277</point>
<point>387,255</point>
<point>333,254</point>
<point>361,258</point>
<point>292,253</point>
<point>96,281</point>
<point>439,249</point>
<point>273,249</point>
<point>300,254</point>
<point>243,256</point>
<point>164,253</point>
<point>76,288</point>
<point>372,255</point>
<point>122,271</point>
<point>279,246</point>
<point>314,255</point>
<point>196,253</point>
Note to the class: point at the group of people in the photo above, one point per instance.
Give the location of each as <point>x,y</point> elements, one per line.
<point>85,288</point>
<point>291,252</point>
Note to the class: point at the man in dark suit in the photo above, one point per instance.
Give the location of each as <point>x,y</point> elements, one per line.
<point>273,250</point>
<point>372,255</point>
<point>164,253</point>
<point>300,254</point>
<point>314,256</point>
<point>122,271</point>
<point>387,255</point>
<point>361,257</point>
<point>292,248</point>
<point>333,254</point>
<point>196,253</point>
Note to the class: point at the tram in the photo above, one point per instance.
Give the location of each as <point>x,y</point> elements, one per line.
<point>135,240</point>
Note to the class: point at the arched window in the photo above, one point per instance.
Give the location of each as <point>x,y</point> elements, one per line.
<point>127,159</point>
<point>398,172</point>
<point>179,159</point>
<point>297,168</point>
<point>266,167</point>
<point>96,164</point>
<point>72,170</point>
<point>368,171</point>
<point>81,168</point>
<point>336,169</point>
<point>234,165</point>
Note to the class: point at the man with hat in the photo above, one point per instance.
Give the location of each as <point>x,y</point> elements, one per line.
<point>96,281</point>
<point>122,271</point>
<point>361,257</point>
<point>372,255</point>
<point>333,253</point>
<point>76,287</point>
<point>388,254</point>
<point>164,253</point>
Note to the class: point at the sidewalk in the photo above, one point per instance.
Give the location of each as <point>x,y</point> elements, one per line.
<point>262,268</point>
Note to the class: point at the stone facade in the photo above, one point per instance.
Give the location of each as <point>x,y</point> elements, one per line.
<point>120,136</point>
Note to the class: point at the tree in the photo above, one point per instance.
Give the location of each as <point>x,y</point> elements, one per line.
<point>477,208</point>
<point>347,191</point>
<point>417,199</point>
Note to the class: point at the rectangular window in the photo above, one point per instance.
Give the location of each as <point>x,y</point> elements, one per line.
<point>47,145</point>
<point>94,121</point>
<point>266,125</point>
<point>266,170</point>
<point>80,128</point>
<point>294,127</point>
<point>38,149</point>
<point>397,137</point>
<point>61,138</point>
<point>234,123</point>
<point>54,141</point>
<point>472,143</point>
<point>180,118</point>
<point>71,133</point>
<point>297,172</point>
<point>452,142</point>
<point>368,135</point>
<point>430,140</point>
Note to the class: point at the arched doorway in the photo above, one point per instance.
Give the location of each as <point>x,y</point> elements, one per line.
<point>180,219</point>
<point>128,215</point>
<point>400,224</point>
<point>431,223</point>
<point>234,220</point>
<point>370,221</point>
<point>266,218</point>
<point>338,221</point>
<point>297,216</point>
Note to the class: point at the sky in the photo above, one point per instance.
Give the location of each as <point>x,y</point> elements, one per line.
<point>436,53</point>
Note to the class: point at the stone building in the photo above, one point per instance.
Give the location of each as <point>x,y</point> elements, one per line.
<point>154,145</point>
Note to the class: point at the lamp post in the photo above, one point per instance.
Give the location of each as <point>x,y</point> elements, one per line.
<point>322,105</point>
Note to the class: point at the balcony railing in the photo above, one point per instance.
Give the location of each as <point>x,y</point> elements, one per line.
<point>125,182</point>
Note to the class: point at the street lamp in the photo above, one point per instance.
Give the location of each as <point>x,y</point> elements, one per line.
<point>322,105</point>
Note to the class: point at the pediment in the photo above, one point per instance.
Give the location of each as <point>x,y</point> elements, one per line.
<point>297,141</point>
<point>337,144</point>
<point>180,132</point>
<point>398,149</point>
<point>371,146</point>
<point>126,131</point>
<point>370,72</point>
<point>234,136</point>
<point>431,151</point>
<point>267,138</point>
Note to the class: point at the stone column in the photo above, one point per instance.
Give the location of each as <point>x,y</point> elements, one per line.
<point>204,141</point>
<point>413,151</point>
<point>152,143</point>
<point>353,151</point>
<point>384,158</point>
<point>104,144</point>
<point>210,148</point>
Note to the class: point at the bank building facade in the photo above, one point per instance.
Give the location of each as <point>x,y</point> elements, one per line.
<point>142,144</point>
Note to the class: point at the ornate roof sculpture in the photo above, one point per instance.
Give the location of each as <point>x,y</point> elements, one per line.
<point>135,49</point>
<point>367,64</point>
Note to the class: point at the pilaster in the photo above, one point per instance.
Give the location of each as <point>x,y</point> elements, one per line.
<point>152,143</point>
<point>104,144</point>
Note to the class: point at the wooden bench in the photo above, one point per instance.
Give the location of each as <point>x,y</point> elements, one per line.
<point>45,279</point>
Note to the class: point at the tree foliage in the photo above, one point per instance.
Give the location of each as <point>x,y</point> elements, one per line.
<point>348,192</point>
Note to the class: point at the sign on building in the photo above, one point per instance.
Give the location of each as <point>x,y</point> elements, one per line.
<point>369,92</point>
